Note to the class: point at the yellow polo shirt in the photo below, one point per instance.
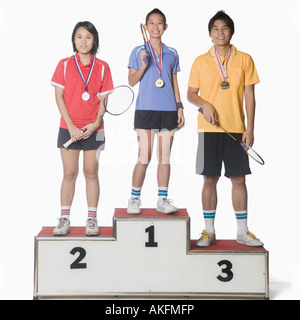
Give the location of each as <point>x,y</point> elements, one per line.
<point>228,103</point>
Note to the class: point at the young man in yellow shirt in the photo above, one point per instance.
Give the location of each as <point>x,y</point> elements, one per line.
<point>224,76</point>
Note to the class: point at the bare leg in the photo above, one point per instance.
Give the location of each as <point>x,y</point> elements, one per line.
<point>145,139</point>
<point>164,145</point>
<point>209,193</point>
<point>209,204</point>
<point>90,169</point>
<point>239,193</point>
<point>239,201</point>
<point>70,171</point>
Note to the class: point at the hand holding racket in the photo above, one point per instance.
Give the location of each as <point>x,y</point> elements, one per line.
<point>145,37</point>
<point>250,152</point>
<point>116,102</point>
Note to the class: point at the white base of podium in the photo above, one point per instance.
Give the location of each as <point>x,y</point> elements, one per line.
<point>146,256</point>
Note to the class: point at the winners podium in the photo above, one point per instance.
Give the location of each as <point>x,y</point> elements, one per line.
<point>149,255</point>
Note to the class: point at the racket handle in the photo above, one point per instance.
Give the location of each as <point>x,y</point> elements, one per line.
<point>216,123</point>
<point>71,141</point>
<point>145,59</point>
<point>68,143</point>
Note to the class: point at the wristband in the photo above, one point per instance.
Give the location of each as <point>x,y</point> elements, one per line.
<point>179,105</point>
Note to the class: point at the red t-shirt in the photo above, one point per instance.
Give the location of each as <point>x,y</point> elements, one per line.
<point>66,76</point>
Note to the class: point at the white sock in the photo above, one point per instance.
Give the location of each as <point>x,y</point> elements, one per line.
<point>136,193</point>
<point>65,212</point>
<point>241,219</point>
<point>162,193</point>
<point>209,219</point>
<point>92,212</point>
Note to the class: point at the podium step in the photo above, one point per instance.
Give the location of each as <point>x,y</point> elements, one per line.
<point>105,232</point>
<point>225,246</point>
<point>146,255</point>
<point>150,213</point>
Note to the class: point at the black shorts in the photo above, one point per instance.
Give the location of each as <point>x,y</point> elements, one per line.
<point>96,140</point>
<point>215,148</point>
<point>146,119</point>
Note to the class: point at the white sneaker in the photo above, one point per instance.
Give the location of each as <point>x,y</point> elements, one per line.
<point>92,227</point>
<point>206,239</point>
<point>165,206</point>
<point>249,239</point>
<point>63,227</point>
<point>134,206</point>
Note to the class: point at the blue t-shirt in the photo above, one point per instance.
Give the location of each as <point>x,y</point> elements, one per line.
<point>151,97</point>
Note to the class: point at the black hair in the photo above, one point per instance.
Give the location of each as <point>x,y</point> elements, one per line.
<point>221,15</point>
<point>90,28</point>
<point>156,11</point>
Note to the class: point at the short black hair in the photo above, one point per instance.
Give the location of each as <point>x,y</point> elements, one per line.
<point>90,28</point>
<point>221,15</point>
<point>156,11</point>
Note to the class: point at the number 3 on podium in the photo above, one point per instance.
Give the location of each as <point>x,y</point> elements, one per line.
<point>226,270</point>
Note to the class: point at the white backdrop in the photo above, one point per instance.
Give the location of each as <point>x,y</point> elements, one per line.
<point>35,35</point>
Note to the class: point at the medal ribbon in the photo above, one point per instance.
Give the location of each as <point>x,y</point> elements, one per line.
<point>223,71</point>
<point>153,54</point>
<point>80,73</point>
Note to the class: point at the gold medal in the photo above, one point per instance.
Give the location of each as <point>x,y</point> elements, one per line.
<point>159,83</point>
<point>224,85</point>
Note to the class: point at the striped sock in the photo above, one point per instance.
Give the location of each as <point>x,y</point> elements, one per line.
<point>65,212</point>
<point>136,193</point>
<point>241,218</point>
<point>209,219</point>
<point>162,193</point>
<point>92,212</point>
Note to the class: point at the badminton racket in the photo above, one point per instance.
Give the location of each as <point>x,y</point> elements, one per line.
<point>250,152</point>
<point>116,102</point>
<point>145,37</point>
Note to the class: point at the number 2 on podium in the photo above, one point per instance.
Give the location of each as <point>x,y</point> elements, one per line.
<point>77,264</point>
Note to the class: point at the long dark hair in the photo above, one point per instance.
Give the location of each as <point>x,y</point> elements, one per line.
<point>90,28</point>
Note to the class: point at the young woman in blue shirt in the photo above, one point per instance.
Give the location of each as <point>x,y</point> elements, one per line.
<point>158,109</point>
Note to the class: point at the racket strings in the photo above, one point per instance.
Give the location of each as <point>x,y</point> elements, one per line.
<point>244,146</point>
<point>253,154</point>
<point>118,100</point>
